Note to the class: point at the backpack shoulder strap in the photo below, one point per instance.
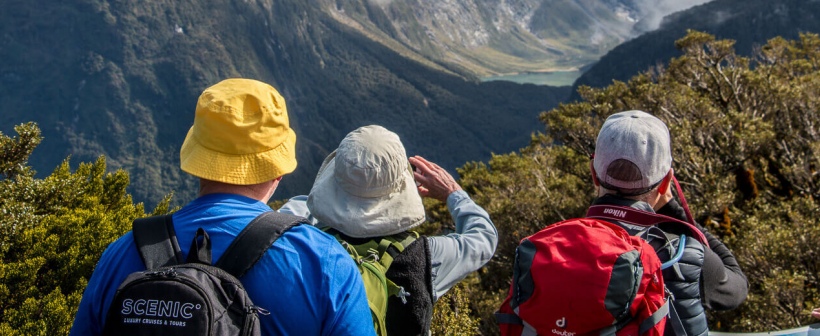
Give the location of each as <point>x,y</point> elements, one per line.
<point>384,249</point>
<point>656,317</point>
<point>676,253</point>
<point>390,247</point>
<point>254,240</point>
<point>156,241</point>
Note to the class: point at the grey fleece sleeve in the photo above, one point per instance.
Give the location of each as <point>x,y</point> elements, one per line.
<point>458,254</point>
<point>723,284</point>
<point>297,205</point>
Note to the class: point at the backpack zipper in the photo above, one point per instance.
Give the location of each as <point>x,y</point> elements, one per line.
<point>251,316</point>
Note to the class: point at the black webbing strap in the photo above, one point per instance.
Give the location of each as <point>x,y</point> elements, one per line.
<point>675,320</point>
<point>656,317</point>
<point>200,251</point>
<point>249,246</point>
<point>157,241</point>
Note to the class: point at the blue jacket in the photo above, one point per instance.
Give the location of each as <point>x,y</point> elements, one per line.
<point>306,280</point>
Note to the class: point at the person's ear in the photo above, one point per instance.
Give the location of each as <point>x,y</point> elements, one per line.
<point>594,175</point>
<point>275,183</point>
<point>666,182</point>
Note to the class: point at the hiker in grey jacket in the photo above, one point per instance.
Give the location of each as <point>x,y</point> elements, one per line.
<point>632,167</point>
<point>366,189</point>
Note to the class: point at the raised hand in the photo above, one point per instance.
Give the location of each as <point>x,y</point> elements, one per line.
<point>433,181</point>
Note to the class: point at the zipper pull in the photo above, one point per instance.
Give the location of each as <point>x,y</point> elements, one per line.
<point>163,273</point>
<point>402,294</point>
<point>257,310</point>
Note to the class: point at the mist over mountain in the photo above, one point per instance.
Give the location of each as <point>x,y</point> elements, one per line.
<point>652,12</point>
<point>749,22</point>
<point>121,79</point>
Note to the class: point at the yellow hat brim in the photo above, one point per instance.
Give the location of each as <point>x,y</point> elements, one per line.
<point>242,169</point>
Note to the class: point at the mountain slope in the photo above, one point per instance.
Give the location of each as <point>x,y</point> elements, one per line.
<point>121,79</point>
<point>749,22</point>
<point>490,37</point>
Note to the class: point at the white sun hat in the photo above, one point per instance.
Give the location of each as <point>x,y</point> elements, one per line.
<point>365,188</point>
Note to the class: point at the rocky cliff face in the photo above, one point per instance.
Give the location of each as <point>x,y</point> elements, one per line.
<point>490,37</point>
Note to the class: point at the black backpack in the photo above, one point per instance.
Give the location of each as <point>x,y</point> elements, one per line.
<point>192,297</point>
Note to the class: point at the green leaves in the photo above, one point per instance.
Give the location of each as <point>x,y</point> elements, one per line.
<point>452,313</point>
<point>52,232</point>
<point>14,153</point>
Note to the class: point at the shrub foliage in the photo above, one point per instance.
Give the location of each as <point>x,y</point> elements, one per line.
<point>52,232</point>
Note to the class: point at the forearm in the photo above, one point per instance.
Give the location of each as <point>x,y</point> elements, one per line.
<point>471,219</point>
<point>457,254</point>
<point>727,258</point>
<point>673,209</point>
<point>724,287</point>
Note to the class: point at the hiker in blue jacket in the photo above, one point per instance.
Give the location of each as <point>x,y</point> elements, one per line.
<point>239,147</point>
<point>366,190</point>
<point>632,167</point>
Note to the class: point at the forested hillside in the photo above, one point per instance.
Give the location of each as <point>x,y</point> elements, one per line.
<point>749,22</point>
<point>121,78</point>
<point>745,135</point>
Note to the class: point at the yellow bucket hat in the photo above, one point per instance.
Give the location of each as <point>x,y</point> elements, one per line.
<point>240,135</point>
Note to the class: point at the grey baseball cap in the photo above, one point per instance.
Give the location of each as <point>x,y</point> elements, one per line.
<point>634,137</point>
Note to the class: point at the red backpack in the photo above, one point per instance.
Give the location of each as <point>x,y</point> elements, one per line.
<point>588,276</point>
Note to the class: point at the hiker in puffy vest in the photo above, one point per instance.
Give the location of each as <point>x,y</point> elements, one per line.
<point>366,190</point>
<point>632,167</point>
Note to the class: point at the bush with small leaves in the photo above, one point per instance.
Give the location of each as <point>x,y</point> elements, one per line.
<point>52,232</point>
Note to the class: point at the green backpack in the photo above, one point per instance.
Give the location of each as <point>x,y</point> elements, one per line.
<point>374,257</point>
